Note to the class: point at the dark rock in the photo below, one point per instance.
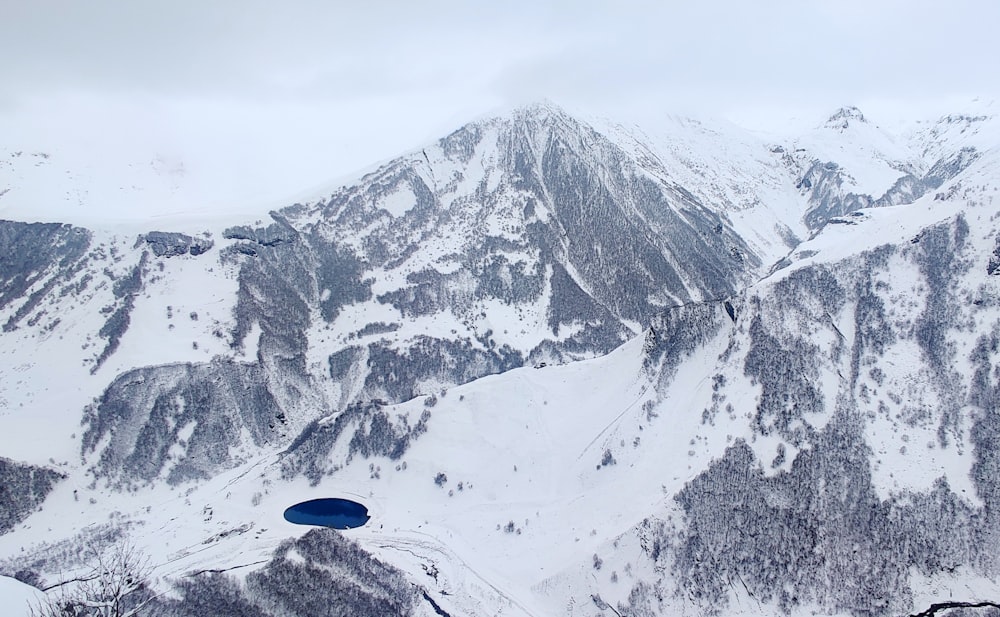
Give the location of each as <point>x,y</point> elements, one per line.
<point>171,244</point>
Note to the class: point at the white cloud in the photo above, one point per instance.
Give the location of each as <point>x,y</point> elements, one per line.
<point>284,95</point>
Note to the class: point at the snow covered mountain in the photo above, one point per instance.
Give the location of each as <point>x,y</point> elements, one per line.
<point>570,367</point>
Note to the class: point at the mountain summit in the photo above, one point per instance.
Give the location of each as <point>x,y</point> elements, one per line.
<point>844,117</point>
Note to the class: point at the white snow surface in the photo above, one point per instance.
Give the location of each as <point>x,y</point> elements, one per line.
<point>17,598</point>
<point>738,171</point>
<point>522,448</point>
<point>872,157</point>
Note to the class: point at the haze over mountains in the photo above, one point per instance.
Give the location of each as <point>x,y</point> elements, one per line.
<point>572,367</point>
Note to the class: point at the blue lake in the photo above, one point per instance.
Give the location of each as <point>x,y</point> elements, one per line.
<point>333,512</point>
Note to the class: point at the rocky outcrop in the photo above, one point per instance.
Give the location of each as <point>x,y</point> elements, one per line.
<point>172,244</point>
<point>824,184</point>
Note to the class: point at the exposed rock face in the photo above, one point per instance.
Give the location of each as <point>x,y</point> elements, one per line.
<point>824,185</point>
<point>844,117</point>
<point>171,244</point>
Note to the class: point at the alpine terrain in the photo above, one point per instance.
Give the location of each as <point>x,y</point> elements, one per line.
<point>570,367</point>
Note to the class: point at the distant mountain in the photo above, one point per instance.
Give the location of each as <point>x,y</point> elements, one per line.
<point>525,239</point>
<point>569,365</point>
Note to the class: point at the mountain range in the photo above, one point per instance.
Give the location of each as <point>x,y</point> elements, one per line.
<point>571,367</point>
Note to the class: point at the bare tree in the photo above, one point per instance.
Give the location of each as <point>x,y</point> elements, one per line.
<point>115,586</point>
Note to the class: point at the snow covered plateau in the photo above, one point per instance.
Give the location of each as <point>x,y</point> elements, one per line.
<point>571,367</point>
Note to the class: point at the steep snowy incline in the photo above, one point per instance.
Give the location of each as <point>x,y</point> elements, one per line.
<point>849,163</point>
<point>820,441</point>
<point>525,239</point>
<point>872,159</point>
<point>506,465</point>
<point>748,178</point>
<point>974,126</point>
<point>852,424</point>
<point>732,435</point>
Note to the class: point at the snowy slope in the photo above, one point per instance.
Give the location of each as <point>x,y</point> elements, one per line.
<point>849,163</point>
<point>872,158</point>
<point>515,241</point>
<point>17,596</point>
<point>812,430</point>
<point>745,175</point>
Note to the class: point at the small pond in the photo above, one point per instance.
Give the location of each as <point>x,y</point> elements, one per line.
<point>332,512</point>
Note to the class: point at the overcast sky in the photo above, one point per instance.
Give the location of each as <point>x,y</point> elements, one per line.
<point>282,96</point>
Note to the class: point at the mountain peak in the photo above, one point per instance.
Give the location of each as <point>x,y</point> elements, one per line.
<point>543,111</point>
<point>531,115</point>
<point>842,118</point>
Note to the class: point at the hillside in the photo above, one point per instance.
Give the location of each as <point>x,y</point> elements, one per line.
<point>570,367</point>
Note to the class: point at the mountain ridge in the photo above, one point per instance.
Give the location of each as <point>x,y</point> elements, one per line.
<point>781,392</point>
